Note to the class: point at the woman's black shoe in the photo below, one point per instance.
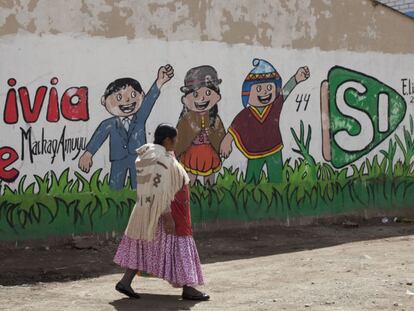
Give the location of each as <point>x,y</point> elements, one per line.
<point>190,293</point>
<point>199,297</point>
<point>131,294</point>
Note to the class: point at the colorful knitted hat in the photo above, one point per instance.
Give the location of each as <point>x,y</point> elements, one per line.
<point>262,72</point>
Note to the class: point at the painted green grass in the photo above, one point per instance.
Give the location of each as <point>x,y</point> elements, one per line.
<point>60,205</point>
<point>55,205</point>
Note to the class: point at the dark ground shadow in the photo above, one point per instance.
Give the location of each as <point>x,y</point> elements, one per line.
<point>65,263</point>
<point>153,303</point>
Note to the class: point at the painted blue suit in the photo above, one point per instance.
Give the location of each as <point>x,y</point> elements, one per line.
<point>123,144</point>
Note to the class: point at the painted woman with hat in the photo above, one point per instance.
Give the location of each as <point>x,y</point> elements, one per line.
<point>255,130</point>
<point>200,129</point>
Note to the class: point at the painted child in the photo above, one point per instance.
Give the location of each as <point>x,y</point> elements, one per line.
<point>130,108</point>
<point>200,129</point>
<point>255,130</point>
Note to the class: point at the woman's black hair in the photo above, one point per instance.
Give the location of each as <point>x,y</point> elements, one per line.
<point>213,112</point>
<point>163,132</point>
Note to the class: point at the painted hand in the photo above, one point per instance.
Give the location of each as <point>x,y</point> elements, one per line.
<point>169,225</point>
<point>165,74</point>
<point>302,74</point>
<point>225,147</point>
<point>85,162</point>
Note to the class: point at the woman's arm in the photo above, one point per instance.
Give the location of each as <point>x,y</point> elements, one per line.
<point>226,148</point>
<point>217,134</point>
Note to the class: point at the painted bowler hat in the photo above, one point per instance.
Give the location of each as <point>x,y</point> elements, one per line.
<point>200,76</point>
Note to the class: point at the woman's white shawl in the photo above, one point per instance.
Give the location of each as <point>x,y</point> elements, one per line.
<point>159,178</point>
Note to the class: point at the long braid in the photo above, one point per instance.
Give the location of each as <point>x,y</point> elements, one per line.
<point>183,111</point>
<point>214,110</point>
<point>213,115</point>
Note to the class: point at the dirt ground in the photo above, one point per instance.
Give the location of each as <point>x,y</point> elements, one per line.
<point>270,268</point>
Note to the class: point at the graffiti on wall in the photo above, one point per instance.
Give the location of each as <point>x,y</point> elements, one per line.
<point>200,128</point>
<point>358,114</point>
<point>407,89</point>
<point>18,106</point>
<point>255,130</point>
<point>130,108</point>
<point>367,142</point>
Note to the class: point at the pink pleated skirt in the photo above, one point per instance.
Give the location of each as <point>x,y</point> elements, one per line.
<point>168,257</point>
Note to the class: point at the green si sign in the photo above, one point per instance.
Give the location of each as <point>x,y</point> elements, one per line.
<point>358,113</point>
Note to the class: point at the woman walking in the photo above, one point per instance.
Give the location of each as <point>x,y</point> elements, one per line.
<point>158,239</point>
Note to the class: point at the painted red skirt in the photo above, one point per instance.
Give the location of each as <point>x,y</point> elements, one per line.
<point>201,160</point>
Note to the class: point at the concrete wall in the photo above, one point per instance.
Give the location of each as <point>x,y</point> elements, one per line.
<point>342,144</point>
<point>329,25</point>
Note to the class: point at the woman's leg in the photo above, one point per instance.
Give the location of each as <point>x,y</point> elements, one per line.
<point>128,277</point>
<point>193,179</point>
<point>124,286</point>
<point>209,180</point>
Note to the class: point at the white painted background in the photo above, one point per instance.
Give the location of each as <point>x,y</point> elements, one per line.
<point>95,62</point>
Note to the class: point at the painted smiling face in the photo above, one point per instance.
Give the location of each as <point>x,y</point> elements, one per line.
<point>123,103</point>
<point>262,94</point>
<point>201,100</point>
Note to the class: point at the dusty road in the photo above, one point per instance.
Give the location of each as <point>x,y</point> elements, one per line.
<point>307,268</point>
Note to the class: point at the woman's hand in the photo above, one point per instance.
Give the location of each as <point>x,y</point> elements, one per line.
<point>225,147</point>
<point>169,224</point>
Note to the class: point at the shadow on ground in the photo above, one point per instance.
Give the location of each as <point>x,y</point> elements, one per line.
<point>64,263</point>
<point>153,302</point>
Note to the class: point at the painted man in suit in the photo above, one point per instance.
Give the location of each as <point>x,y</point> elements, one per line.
<point>130,107</point>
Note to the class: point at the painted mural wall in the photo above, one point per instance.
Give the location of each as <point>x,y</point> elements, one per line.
<point>265,133</point>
